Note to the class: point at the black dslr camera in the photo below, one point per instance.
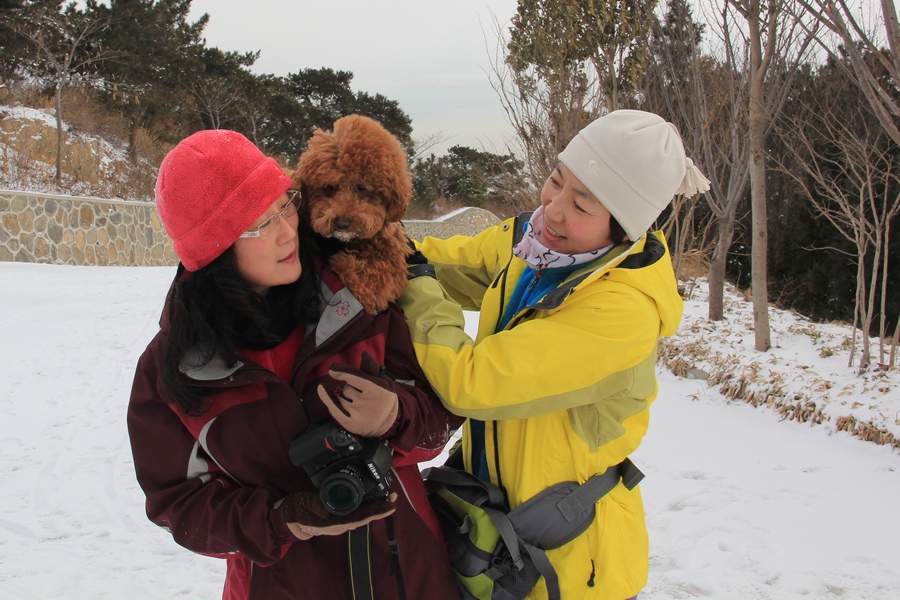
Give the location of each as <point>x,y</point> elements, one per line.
<point>346,468</point>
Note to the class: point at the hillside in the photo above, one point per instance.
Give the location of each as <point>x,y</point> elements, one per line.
<point>93,166</point>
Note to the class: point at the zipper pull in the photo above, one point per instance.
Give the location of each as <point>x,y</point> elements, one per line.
<point>593,572</point>
<point>534,280</point>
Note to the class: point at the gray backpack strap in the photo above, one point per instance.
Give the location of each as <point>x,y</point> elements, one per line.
<point>465,485</point>
<point>588,493</point>
<point>507,534</point>
<point>543,565</point>
<point>516,546</point>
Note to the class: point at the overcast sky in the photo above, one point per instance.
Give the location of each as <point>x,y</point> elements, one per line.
<point>431,57</point>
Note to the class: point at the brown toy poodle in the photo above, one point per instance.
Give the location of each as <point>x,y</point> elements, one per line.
<point>356,188</point>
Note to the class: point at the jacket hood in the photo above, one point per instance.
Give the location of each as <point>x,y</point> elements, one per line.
<point>645,269</point>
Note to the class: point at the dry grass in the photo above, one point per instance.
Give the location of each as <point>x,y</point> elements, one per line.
<point>85,115</point>
<point>691,265</point>
<point>87,170</point>
<point>866,431</point>
<point>759,386</point>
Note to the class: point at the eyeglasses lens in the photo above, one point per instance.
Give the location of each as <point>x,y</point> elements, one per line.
<point>270,225</point>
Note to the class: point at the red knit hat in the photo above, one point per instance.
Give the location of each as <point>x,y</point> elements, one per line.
<point>212,186</point>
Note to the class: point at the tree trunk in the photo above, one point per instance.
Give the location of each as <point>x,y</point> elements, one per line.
<point>757,128</point>
<point>717,269</point>
<point>866,360</point>
<point>894,342</point>
<point>132,140</point>
<point>863,313</point>
<point>59,134</point>
<point>882,313</point>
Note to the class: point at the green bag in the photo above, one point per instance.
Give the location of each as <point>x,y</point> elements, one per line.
<point>498,554</point>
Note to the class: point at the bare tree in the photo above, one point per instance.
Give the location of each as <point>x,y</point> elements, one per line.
<point>718,131</point>
<point>544,115</point>
<point>60,40</point>
<point>851,37</point>
<point>763,36</point>
<point>708,97</point>
<point>878,78</point>
<point>565,64</point>
<point>771,33</point>
<point>218,100</point>
<point>685,234</point>
<point>847,170</point>
<point>426,144</point>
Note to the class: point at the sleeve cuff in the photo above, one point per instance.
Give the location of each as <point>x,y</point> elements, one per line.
<point>425,269</point>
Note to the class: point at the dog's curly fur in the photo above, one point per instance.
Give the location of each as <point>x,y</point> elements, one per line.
<point>356,188</point>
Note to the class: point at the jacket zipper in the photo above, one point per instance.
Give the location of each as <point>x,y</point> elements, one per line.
<point>495,429</point>
<point>501,280</point>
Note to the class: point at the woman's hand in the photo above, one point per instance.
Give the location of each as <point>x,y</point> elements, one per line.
<point>306,516</point>
<point>367,403</point>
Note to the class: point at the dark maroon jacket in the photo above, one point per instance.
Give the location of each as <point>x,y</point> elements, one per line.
<point>212,480</point>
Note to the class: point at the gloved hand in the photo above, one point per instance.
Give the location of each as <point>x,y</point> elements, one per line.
<point>367,403</point>
<point>416,263</point>
<point>306,516</point>
<point>415,257</point>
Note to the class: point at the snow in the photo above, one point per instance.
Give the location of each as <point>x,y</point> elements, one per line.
<point>741,503</point>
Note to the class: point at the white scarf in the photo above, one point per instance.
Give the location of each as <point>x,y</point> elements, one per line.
<point>540,257</point>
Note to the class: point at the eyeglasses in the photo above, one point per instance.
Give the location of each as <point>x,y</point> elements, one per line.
<point>270,225</point>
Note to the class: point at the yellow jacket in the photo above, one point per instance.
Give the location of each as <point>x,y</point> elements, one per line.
<point>564,389</point>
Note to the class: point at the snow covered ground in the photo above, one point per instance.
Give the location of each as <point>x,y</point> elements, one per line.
<point>741,503</point>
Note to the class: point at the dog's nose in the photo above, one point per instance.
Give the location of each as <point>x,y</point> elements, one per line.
<point>342,223</point>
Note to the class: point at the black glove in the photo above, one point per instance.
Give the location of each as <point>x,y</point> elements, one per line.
<point>417,264</point>
<point>415,257</point>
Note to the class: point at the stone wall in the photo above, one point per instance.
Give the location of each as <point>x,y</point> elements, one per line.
<point>73,230</point>
<point>467,221</point>
<point>46,228</point>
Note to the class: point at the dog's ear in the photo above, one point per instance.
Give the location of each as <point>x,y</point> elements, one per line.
<point>296,182</point>
<point>317,167</point>
<point>398,192</point>
<point>374,154</point>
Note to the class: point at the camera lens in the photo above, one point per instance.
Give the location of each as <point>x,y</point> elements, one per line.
<point>341,492</point>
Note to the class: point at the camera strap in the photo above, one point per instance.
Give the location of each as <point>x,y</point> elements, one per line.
<point>395,558</point>
<point>361,565</point>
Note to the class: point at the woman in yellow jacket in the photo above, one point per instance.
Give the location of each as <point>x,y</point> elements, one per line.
<point>573,299</point>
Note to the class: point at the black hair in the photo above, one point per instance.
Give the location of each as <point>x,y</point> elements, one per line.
<point>617,234</point>
<point>214,311</point>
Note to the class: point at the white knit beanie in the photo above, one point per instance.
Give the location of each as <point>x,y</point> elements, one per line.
<point>634,163</point>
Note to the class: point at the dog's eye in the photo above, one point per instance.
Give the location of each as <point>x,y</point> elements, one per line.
<point>329,190</point>
<point>361,188</point>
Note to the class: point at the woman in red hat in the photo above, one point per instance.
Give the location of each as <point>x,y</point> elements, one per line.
<point>273,422</point>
